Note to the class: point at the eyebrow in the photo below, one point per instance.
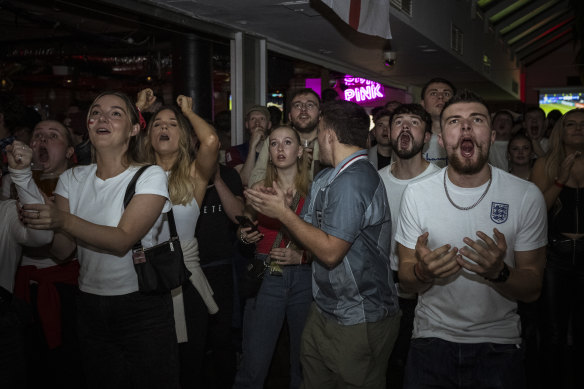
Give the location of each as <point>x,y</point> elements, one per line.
<point>471,115</point>
<point>113,106</point>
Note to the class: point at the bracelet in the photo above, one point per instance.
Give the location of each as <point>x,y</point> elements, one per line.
<point>558,184</point>
<point>419,278</point>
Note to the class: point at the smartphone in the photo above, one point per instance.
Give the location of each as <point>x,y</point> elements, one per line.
<point>244,221</point>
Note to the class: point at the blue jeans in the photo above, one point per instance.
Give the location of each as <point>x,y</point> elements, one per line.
<point>288,296</point>
<point>437,363</point>
<point>128,341</point>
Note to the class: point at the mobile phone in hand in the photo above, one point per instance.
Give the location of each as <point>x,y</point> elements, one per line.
<point>244,221</point>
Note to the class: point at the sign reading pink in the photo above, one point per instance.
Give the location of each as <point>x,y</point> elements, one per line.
<point>361,89</point>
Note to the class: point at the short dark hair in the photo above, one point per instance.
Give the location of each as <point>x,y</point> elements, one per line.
<point>502,112</point>
<point>436,80</point>
<point>303,91</point>
<point>534,109</point>
<point>414,109</point>
<point>465,96</point>
<point>381,113</point>
<point>348,120</point>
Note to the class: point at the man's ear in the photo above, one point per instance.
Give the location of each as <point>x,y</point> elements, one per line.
<point>440,141</point>
<point>493,136</point>
<point>70,151</point>
<point>427,136</point>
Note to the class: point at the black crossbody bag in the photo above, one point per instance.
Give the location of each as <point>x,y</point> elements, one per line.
<point>160,268</point>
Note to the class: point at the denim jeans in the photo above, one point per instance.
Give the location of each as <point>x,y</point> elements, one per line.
<point>287,296</point>
<point>128,341</point>
<point>437,363</point>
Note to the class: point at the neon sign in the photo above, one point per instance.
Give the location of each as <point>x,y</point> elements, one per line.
<point>362,90</point>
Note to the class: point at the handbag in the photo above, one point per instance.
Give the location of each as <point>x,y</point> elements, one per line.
<point>160,268</point>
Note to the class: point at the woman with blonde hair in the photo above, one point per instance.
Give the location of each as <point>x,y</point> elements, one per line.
<point>285,292</point>
<point>560,176</point>
<point>169,143</point>
<point>127,338</point>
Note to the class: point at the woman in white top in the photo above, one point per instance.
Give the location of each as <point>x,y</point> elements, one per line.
<point>127,337</point>
<point>169,143</point>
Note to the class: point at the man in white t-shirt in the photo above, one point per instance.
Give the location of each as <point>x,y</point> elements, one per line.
<point>471,242</point>
<point>435,94</point>
<point>409,131</point>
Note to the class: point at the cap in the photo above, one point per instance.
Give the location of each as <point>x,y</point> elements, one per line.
<point>260,108</point>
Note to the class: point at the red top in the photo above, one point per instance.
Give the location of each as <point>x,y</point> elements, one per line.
<point>270,228</point>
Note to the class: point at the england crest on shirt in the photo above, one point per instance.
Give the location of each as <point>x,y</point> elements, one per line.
<point>499,212</point>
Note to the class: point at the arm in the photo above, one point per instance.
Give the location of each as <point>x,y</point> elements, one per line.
<point>550,186</point>
<point>329,249</point>
<point>136,220</point>
<point>259,171</point>
<point>145,99</point>
<point>208,150</point>
<point>419,267</point>
<point>232,205</point>
<point>250,161</point>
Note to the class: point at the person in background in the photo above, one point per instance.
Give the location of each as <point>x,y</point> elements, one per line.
<point>127,338</point>
<point>519,152</point>
<point>410,131</point>
<point>560,177</point>
<point>168,142</point>
<point>285,293</point>
<point>275,115</point>
<point>503,126</point>
<point>392,105</point>
<point>48,284</point>
<point>303,114</point>
<point>552,117</point>
<point>222,125</point>
<point>329,94</point>
<point>534,124</point>
<point>380,154</point>
<point>243,157</point>
<point>435,93</point>
<point>15,315</point>
<point>215,232</point>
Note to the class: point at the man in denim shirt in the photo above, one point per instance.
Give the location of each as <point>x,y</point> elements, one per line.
<point>354,321</point>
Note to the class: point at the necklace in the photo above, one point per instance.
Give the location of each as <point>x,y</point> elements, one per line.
<point>477,202</point>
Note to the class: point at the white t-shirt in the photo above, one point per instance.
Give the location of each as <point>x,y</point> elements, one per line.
<point>102,202</point>
<point>395,189</point>
<point>435,153</point>
<point>465,308</point>
<point>498,155</point>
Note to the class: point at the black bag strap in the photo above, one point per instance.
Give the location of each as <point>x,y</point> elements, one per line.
<point>130,190</point>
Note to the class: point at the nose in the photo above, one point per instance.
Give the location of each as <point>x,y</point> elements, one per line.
<point>465,124</point>
<point>103,117</point>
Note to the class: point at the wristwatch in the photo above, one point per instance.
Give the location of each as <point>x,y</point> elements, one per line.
<point>503,275</point>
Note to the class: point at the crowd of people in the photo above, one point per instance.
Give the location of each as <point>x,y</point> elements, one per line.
<point>415,246</point>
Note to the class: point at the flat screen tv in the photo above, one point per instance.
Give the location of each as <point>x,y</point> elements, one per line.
<point>563,99</point>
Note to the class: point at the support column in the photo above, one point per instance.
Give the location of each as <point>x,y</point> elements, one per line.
<point>193,75</point>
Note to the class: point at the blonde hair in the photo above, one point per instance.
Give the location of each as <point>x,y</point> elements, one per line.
<point>302,179</point>
<point>557,152</point>
<point>180,184</point>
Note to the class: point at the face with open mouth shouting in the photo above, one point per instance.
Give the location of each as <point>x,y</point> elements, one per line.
<point>165,133</point>
<point>466,136</point>
<point>109,124</point>
<point>304,113</point>
<point>285,148</point>
<point>52,146</point>
<point>408,135</point>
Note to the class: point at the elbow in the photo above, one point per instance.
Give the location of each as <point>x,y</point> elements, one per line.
<point>211,142</point>
<point>330,261</point>
<point>533,296</point>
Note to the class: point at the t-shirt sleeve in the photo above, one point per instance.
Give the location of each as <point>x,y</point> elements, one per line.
<point>258,172</point>
<point>408,228</point>
<point>343,214</point>
<point>233,157</point>
<point>64,183</point>
<point>154,181</point>
<point>532,232</point>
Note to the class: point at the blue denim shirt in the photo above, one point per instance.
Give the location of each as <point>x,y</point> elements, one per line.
<point>352,205</point>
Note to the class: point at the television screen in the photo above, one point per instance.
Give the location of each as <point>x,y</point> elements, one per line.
<point>561,99</point>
